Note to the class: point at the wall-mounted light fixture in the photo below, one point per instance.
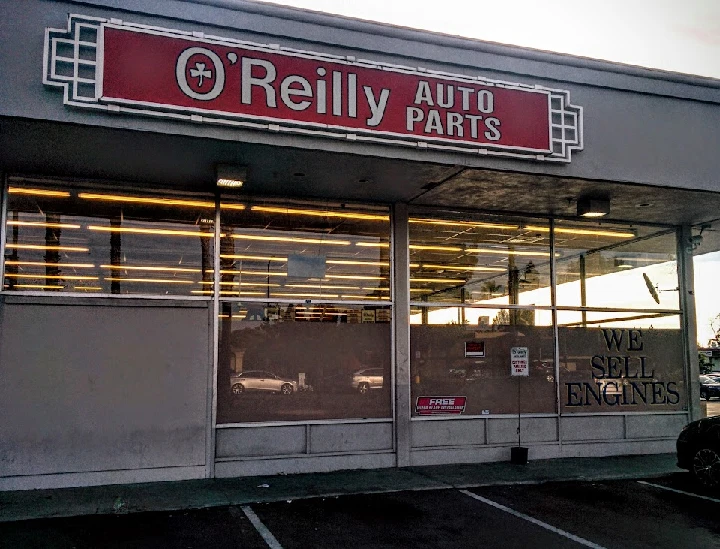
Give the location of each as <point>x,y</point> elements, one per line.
<point>593,206</point>
<point>231,176</point>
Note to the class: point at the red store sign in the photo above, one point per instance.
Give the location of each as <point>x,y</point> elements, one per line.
<point>151,71</point>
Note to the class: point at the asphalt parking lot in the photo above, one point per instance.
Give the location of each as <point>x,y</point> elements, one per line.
<point>667,512</point>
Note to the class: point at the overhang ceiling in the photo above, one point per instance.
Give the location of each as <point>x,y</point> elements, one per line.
<point>177,162</point>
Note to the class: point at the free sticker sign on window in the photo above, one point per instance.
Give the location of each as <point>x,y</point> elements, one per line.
<point>436,405</point>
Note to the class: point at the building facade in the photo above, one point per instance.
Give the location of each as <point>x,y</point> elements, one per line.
<point>242,239</point>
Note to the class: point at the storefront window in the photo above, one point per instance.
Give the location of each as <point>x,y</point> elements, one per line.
<point>463,348</point>
<point>616,266</point>
<point>473,361</point>
<point>304,251</point>
<point>303,361</point>
<point>618,365</point>
<point>320,338</point>
<point>490,260</point>
<point>90,241</point>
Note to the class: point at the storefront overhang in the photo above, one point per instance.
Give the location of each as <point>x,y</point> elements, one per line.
<point>46,149</point>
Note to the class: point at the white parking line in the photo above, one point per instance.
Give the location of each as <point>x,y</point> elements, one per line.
<point>535,521</point>
<point>261,528</point>
<point>661,487</point>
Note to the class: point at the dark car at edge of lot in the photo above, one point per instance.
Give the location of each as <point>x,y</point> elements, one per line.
<point>709,387</point>
<point>698,450</point>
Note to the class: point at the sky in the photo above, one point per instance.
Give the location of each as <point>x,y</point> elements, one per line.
<point>674,35</point>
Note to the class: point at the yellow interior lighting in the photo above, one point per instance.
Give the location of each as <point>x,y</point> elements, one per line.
<point>38,286</point>
<point>353,262</point>
<point>42,224</point>
<point>440,280</point>
<point>466,224</point>
<point>255,284</point>
<point>376,289</point>
<point>507,252</point>
<point>44,264</point>
<point>436,248</point>
<point>459,268</point>
<point>361,297</point>
<point>356,277</point>
<point>152,280</point>
<point>147,200</point>
<point>39,247</point>
<point>373,244</point>
<point>154,269</point>
<point>138,230</point>
<point>90,288</point>
<point>253,257</point>
<point>38,192</point>
<point>274,294</point>
<point>421,290</point>
<point>224,292</point>
<point>322,286</point>
<point>258,273</point>
<point>320,213</point>
<point>583,232</point>
<point>299,240</point>
<point>53,277</point>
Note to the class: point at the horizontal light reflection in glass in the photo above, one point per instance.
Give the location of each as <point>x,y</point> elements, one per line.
<point>44,264</point>
<point>38,192</point>
<point>355,277</point>
<point>88,288</point>
<point>440,280</point>
<point>52,277</point>
<point>320,213</point>
<point>295,239</point>
<point>149,280</point>
<point>357,262</point>
<point>436,248</point>
<point>373,244</point>
<point>157,201</point>
<point>40,247</point>
<point>153,269</point>
<point>253,257</point>
<point>225,292</point>
<point>582,232</point>
<point>38,286</point>
<point>255,284</point>
<point>277,294</point>
<point>161,232</point>
<point>254,273</point>
<point>463,268</point>
<point>322,286</point>
<point>42,224</point>
<point>465,224</point>
<point>507,252</point>
<point>360,297</point>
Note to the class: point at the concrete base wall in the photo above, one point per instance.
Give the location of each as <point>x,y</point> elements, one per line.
<point>116,391</point>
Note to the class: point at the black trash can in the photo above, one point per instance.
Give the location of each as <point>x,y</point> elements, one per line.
<point>519,455</point>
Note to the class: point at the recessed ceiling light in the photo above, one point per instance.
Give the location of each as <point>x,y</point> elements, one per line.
<point>231,176</point>
<point>643,205</point>
<point>588,206</point>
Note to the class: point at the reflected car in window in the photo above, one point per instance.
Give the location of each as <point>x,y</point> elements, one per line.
<point>261,380</point>
<point>365,380</point>
<point>709,387</point>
